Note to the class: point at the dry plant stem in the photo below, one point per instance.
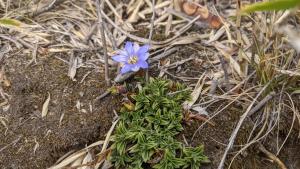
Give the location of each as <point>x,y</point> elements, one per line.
<point>106,93</point>
<point>169,21</point>
<point>108,135</point>
<point>262,103</point>
<point>244,63</point>
<point>101,27</point>
<point>235,131</point>
<point>17,41</point>
<point>271,156</point>
<point>152,21</point>
<point>151,33</point>
<point>111,37</point>
<point>12,143</point>
<point>64,156</point>
<point>164,54</point>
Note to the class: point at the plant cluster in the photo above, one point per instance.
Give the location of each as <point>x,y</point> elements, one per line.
<point>145,136</point>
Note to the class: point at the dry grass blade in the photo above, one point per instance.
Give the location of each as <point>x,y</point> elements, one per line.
<point>196,93</point>
<point>170,20</point>
<point>87,160</point>
<point>46,106</point>
<point>75,156</point>
<point>69,160</point>
<point>77,162</point>
<point>108,135</point>
<point>151,32</point>
<point>134,16</point>
<point>72,66</point>
<point>105,145</point>
<point>10,144</point>
<point>103,39</point>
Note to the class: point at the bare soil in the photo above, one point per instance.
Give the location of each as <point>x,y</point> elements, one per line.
<point>73,120</point>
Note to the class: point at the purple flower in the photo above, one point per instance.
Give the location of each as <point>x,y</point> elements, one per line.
<point>132,57</point>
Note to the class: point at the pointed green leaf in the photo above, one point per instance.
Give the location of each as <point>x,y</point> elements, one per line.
<point>272,5</point>
<point>10,22</point>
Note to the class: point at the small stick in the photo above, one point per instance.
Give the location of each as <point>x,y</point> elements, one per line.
<point>152,21</point>
<point>151,33</point>
<point>261,103</point>
<point>106,93</point>
<point>12,143</point>
<point>169,22</point>
<point>101,27</point>
<point>164,54</point>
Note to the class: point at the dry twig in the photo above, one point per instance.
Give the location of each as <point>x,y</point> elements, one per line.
<point>101,28</point>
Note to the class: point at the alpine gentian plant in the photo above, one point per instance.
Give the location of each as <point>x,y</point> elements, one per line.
<point>132,57</point>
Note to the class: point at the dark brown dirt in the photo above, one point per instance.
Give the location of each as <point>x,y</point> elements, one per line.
<point>31,141</point>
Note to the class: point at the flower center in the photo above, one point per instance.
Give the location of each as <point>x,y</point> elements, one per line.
<point>133,60</point>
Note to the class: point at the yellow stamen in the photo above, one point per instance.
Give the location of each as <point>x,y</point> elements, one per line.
<point>133,60</point>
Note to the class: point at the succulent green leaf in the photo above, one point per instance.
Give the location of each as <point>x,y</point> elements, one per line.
<point>152,127</point>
